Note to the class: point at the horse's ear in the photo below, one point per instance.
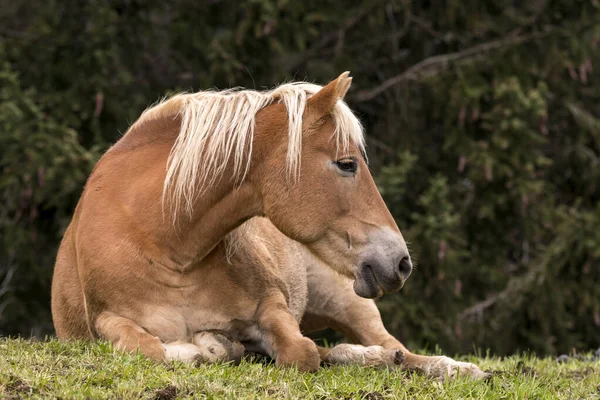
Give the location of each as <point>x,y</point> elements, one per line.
<point>325,99</point>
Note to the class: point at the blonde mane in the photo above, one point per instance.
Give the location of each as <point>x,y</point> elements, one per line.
<point>218,126</point>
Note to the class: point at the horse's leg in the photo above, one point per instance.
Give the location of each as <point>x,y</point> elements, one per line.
<point>367,356</point>
<point>218,347</point>
<point>333,304</point>
<point>207,347</point>
<point>282,333</point>
<point>126,335</point>
<point>376,341</point>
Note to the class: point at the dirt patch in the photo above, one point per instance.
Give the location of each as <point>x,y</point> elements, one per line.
<point>364,395</point>
<point>523,369</point>
<point>17,388</point>
<point>371,395</point>
<point>491,374</point>
<point>579,374</point>
<point>168,393</point>
<point>273,392</point>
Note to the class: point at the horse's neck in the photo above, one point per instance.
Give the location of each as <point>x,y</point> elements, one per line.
<point>213,220</point>
<point>220,209</point>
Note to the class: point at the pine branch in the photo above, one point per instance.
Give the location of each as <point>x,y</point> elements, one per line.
<point>519,286</point>
<point>440,63</point>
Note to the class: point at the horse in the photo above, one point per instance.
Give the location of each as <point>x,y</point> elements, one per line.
<point>224,222</point>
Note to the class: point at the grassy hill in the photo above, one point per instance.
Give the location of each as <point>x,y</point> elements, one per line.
<point>51,369</point>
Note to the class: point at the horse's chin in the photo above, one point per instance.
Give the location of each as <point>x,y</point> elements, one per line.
<point>367,285</point>
<point>368,293</point>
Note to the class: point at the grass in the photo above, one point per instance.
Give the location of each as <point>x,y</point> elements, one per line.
<point>51,369</point>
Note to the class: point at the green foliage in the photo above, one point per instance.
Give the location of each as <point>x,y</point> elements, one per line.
<point>43,167</point>
<point>483,121</point>
<point>509,217</point>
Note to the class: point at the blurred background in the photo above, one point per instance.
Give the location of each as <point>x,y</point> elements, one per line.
<point>483,122</point>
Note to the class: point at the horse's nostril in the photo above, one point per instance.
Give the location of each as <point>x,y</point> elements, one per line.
<point>405,267</point>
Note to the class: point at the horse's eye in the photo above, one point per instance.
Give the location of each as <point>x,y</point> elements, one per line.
<point>347,165</point>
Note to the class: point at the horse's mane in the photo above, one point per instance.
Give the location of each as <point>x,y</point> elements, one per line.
<point>218,126</point>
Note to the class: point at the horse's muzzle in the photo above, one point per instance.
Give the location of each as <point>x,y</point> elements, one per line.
<point>383,272</point>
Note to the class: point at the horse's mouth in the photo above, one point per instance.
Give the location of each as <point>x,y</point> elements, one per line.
<point>370,285</point>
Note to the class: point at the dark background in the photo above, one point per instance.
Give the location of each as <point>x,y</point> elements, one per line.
<point>483,121</point>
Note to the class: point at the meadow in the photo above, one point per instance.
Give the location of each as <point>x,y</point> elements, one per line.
<point>78,370</point>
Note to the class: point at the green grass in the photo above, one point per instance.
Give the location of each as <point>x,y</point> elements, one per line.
<point>45,370</point>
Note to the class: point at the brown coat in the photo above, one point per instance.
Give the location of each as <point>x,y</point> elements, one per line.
<point>207,231</point>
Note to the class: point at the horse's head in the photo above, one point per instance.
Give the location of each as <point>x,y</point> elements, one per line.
<point>333,206</point>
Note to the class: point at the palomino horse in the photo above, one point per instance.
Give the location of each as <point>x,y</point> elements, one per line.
<point>223,222</point>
